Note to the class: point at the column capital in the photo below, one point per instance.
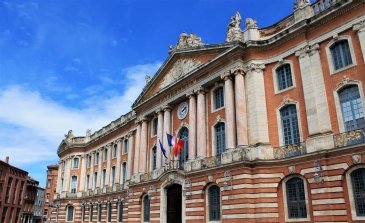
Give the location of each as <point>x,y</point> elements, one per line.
<point>130,133</point>
<point>167,108</point>
<point>302,52</point>
<point>201,90</point>
<point>190,94</point>
<point>359,27</point>
<point>254,67</point>
<point>159,110</point>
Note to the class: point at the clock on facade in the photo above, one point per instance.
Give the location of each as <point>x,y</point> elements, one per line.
<point>182,111</point>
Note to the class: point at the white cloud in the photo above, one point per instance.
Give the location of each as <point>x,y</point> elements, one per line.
<point>32,126</point>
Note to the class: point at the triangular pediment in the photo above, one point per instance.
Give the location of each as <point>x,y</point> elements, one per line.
<point>176,67</point>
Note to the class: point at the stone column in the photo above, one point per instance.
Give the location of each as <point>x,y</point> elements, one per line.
<point>99,177</point>
<point>91,178</point>
<point>160,136</point>
<point>256,101</point>
<point>143,147</point>
<point>129,163</point>
<point>192,124</point>
<point>166,129</point>
<point>108,163</point>
<point>230,112</point>
<point>66,181</point>
<point>201,124</point>
<point>83,173</point>
<point>241,109</point>
<point>318,117</point>
<point>59,177</point>
<point>136,148</point>
<point>360,29</point>
<point>119,143</point>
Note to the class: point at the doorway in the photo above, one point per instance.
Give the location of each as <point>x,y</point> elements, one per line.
<point>174,204</point>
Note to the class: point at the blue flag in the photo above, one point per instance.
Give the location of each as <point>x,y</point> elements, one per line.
<point>170,140</point>
<point>162,149</point>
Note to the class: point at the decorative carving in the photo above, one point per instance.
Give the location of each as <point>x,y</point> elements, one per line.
<point>345,80</point>
<point>234,32</point>
<point>218,119</point>
<point>301,4</point>
<point>180,68</point>
<point>307,50</point>
<point>210,178</point>
<point>186,41</point>
<point>254,67</point>
<point>356,159</point>
<point>228,180</point>
<point>88,133</point>
<point>350,138</point>
<point>291,169</point>
<point>147,78</point>
<point>69,136</point>
<point>286,101</point>
<point>317,172</point>
<point>359,27</point>
<point>289,151</point>
<point>251,23</point>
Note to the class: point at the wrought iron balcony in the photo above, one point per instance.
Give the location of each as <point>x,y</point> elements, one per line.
<point>290,151</point>
<point>350,138</point>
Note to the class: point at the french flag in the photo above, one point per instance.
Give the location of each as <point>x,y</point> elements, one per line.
<point>176,144</point>
<point>162,149</point>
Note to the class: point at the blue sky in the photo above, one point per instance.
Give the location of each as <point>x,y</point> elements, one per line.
<point>78,64</point>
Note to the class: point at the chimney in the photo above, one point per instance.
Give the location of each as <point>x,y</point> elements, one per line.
<point>7,159</point>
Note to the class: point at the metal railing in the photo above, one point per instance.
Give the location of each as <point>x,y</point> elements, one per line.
<point>290,151</point>
<point>349,138</point>
<point>322,5</point>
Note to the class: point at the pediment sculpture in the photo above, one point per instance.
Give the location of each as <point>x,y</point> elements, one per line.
<point>179,69</point>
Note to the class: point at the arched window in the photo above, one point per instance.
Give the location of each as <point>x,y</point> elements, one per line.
<point>104,178</point>
<point>218,98</point>
<point>184,135</point>
<point>124,171</point>
<point>70,213</point>
<point>146,208</point>
<point>154,158</point>
<point>220,138</point>
<point>73,184</point>
<point>120,211</point>
<point>341,55</point>
<point>214,203</point>
<point>289,124</point>
<point>109,212</point>
<point>113,175</point>
<point>76,163</point>
<point>284,77</point>
<point>351,107</point>
<point>358,188</point>
<point>295,196</point>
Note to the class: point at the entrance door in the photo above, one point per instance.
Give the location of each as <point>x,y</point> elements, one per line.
<point>174,200</point>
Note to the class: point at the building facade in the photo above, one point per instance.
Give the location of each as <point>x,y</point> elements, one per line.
<point>12,190</point>
<point>38,206</point>
<point>272,121</point>
<point>50,191</point>
<point>30,200</point>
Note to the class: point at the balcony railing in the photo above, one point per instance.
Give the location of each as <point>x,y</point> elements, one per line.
<point>321,5</point>
<point>349,138</point>
<point>289,151</point>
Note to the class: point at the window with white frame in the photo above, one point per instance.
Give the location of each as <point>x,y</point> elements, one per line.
<point>146,208</point>
<point>214,203</point>
<point>115,150</point>
<point>154,158</point>
<point>341,55</point>
<point>105,154</point>
<point>296,198</point>
<point>113,175</point>
<point>154,126</point>
<point>289,125</point>
<point>351,108</point>
<point>284,77</point>
<point>125,145</point>
<point>73,184</point>
<point>76,163</point>
<point>70,213</point>
<point>220,138</point>
<point>124,172</point>
<point>218,98</point>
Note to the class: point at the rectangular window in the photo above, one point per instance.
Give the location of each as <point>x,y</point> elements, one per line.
<point>120,211</point>
<point>126,145</point>
<point>154,126</point>
<point>87,181</point>
<point>218,98</point>
<point>99,212</point>
<point>105,154</point>
<point>95,179</point>
<point>49,183</point>
<point>113,175</point>
<point>124,170</point>
<point>73,184</point>
<point>341,54</point>
<point>97,158</point>
<point>115,152</point>
<point>76,163</point>
<point>154,158</point>
<point>109,212</point>
<point>91,212</point>
<point>284,76</point>
<point>89,161</point>
<point>104,177</point>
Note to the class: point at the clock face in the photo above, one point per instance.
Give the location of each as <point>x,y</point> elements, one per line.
<point>182,111</point>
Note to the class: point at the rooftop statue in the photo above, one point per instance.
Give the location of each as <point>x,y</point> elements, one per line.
<point>301,3</point>
<point>234,32</point>
<point>187,41</point>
